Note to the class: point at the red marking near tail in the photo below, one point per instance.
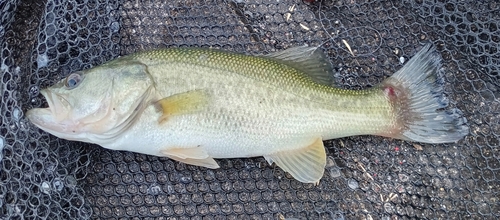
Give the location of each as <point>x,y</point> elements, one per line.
<point>397,99</point>
<point>389,91</point>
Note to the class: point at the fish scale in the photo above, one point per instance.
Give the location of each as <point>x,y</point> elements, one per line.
<point>300,90</point>
<point>196,104</point>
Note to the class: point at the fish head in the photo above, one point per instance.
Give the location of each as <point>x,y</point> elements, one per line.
<point>95,105</point>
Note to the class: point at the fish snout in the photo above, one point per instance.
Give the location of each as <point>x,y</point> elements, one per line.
<point>58,105</point>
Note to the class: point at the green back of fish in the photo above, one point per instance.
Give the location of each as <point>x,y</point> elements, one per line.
<point>265,69</point>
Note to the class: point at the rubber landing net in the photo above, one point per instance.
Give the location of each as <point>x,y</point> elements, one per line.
<point>367,177</point>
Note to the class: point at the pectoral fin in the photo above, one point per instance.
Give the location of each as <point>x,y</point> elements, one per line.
<point>197,156</point>
<point>182,103</point>
<point>306,164</point>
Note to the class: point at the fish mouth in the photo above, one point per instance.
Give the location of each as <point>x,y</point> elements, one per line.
<point>52,118</point>
<point>58,105</point>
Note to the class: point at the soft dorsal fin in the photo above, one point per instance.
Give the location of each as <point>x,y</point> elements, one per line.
<point>306,164</point>
<point>310,60</point>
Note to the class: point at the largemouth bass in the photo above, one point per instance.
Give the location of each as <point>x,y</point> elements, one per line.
<point>193,105</point>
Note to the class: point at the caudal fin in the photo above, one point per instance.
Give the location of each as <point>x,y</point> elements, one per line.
<point>416,93</point>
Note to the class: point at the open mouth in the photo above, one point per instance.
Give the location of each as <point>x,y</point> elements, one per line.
<point>45,104</point>
<point>57,105</point>
<point>51,117</point>
<point>35,115</point>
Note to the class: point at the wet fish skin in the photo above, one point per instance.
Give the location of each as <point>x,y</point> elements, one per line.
<point>196,104</point>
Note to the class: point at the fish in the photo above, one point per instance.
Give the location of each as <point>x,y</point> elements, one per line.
<point>195,105</point>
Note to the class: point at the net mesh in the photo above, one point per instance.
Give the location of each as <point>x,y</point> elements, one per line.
<point>367,177</point>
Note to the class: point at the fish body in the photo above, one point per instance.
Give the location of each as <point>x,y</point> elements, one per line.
<point>195,104</point>
<point>248,109</point>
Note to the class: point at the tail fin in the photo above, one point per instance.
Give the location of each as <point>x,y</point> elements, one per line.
<point>420,100</point>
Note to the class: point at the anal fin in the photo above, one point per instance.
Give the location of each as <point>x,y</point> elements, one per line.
<point>197,156</point>
<point>182,103</point>
<point>307,164</point>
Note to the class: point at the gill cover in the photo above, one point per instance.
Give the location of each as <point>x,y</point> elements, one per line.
<point>96,105</point>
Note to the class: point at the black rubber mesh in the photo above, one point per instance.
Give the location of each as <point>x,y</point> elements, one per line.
<point>367,177</point>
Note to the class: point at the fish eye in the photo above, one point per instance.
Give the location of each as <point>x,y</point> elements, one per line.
<point>73,80</point>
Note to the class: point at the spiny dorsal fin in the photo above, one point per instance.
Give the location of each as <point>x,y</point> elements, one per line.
<point>310,60</point>
<point>306,164</point>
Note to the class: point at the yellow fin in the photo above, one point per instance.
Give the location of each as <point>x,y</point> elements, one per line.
<point>182,103</point>
<point>307,164</point>
<point>197,156</point>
